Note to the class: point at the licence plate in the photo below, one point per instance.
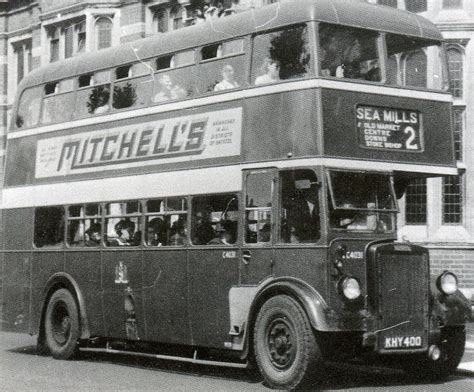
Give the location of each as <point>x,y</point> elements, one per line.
<point>401,342</point>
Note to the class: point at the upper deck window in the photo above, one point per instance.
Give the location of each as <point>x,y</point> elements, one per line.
<point>58,103</point>
<point>349,53</point>
<point>415,62</point>
<point>280,55</point>
<point>29,107</point>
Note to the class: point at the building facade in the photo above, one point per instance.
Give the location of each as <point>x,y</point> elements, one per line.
<point>436,212</point>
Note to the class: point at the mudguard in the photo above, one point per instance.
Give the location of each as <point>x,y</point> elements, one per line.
<point>64,280</point>
<point>313,303</point>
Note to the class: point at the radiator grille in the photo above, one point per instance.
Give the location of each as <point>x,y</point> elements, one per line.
<point>402,300</point>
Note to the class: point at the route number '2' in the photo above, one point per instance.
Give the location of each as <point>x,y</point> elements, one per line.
<point>409,142</point>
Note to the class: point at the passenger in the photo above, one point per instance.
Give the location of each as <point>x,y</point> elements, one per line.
<point>156,232</point>
<point>265,232</point>
<point>202,229</point>
<point>271,72</point>
<point>228,81</point>
<point>223,234</point>
<point>93,235</point>
<point>178,233</point>
<point>125,230</point>
<point>168,90</point>
<point>350,68</point>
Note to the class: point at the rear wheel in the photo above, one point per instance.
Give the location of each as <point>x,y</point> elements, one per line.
<point>61,325</point>
<point>452,350</point>
<point>286,350</point>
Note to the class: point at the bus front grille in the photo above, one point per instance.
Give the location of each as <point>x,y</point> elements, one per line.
<point>402,303</point>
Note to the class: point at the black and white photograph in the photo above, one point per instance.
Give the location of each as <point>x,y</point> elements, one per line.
<point>237,195</point>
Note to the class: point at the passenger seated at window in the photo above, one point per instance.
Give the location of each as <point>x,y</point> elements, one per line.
<point>168,90</point>
<point>93,235</point>
<point>202,230</point>
<point>224,234</point>
<point>156,232</point>
<point>125,230</point>
<point>228,81</point>
<point>178,233</point>
<point>98,102</point>
<point>271,72</point>
<point>350,67</point>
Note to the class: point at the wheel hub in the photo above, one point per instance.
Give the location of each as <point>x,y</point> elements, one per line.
<point>281,348</point>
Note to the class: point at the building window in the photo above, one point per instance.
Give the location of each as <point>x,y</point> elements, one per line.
<point>455,67</point>
<point>416,5</point>
<point>23,59</point>
<point>104,33</point>
<point>178,19</point>
<point>458,133</point>
<point>415,202</point>
<point>20,63</point>
<point>68,41</point>
<point>54,45</point>
<point>81,37</point>
<point>390,3</point>
<point>452,3</point>
<point>161,20</point>
<point>452,199</point>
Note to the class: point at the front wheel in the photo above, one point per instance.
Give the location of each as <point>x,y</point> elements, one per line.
<point>286,350</point>
<point>61,325</point>
<point>451,346</point>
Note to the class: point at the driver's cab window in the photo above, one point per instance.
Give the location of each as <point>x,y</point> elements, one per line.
<point>300,211</point>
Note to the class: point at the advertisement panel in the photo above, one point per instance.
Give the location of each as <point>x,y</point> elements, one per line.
<point>198,136</point>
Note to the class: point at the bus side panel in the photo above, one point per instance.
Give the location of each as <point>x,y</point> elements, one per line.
<point>16,292</point>
<point>275,128</point>
<point>16,269</point>
<point>45,264</point>
<point>84,268</point>
<point>212,273</point>
<point>122,293</point>
<point>165,296</point>
<point>307,264</point>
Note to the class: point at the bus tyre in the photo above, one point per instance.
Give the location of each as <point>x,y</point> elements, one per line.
<point>452,350</point>
<point>61,325</point>
<point>285,347</point>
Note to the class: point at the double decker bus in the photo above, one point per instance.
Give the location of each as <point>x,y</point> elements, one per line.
<point>227,194</point>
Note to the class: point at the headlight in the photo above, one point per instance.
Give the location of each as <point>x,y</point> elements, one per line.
<point>447,283</point>
<point>350,288</point>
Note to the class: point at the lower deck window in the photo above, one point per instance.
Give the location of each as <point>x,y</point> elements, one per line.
<point>49,227</point>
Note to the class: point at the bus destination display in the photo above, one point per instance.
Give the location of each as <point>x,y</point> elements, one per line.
<point>388,128</point>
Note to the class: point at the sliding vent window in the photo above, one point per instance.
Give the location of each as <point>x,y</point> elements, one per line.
<point>166,222</point>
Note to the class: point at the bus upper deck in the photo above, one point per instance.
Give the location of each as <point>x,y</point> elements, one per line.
<point>224,93</point>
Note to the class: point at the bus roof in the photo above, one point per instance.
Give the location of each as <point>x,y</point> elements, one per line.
<point>344,12</point>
